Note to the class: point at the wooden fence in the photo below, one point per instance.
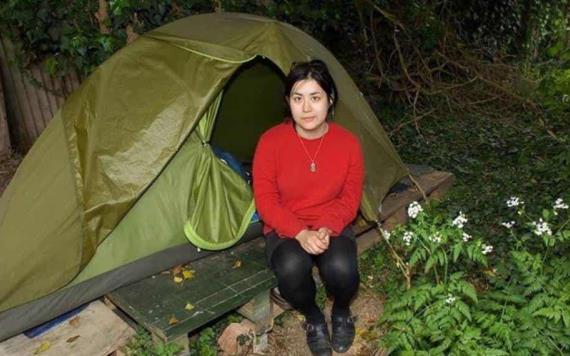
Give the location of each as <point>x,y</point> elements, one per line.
<point>31,97</point>
<point>4,134</point>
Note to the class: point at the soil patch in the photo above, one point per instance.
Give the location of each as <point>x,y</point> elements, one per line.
<point>288,336</point>
<point>8,166</point>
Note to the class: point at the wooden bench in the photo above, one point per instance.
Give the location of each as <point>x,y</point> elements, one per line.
<point>240,279</point>
<point>236,278</point>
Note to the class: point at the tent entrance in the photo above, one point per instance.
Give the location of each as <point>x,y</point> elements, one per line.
<point>251,104</point>
<point>220,206</point>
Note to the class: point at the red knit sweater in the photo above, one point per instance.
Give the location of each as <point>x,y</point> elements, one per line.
<point>289,197</point>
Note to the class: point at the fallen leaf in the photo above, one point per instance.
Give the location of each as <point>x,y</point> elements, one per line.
<point>176,269</point>
<point>74,322</point>
<point>178,279</point>
<point>189,307</point>
<point>237,264</point>
<point>172,320</point>
<point>44,346</point>
<point>72,339</point>
<point>188,273</point>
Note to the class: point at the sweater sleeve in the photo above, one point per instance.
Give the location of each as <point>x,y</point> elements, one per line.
<point>266,193</point>
<point>344,208</point>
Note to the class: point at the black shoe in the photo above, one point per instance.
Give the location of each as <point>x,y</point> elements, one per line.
<point>318,339</point>
<point>342,333</point>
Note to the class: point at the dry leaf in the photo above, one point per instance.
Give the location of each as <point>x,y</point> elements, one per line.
<point>172,320</point>
<point>189,307</point>
<point>237,264</point>
<point>178,279</point>
<point>177,269</point>
<point>44,346</point>
<point>74,322</point>
<point>72,339</point>
<point>188,273</point>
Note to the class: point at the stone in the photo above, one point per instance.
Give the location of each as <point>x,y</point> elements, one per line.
<point>229,340</point>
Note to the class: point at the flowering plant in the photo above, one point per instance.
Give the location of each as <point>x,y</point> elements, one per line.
<point>464,296</point>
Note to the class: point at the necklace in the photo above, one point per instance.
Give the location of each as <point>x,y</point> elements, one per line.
<point>313,165</point>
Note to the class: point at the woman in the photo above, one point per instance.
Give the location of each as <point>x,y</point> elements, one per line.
<point>307,179</point>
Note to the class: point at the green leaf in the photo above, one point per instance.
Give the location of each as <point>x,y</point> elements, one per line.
<point>430,262</point>
<point>468,290</point>
<point>456,251</point>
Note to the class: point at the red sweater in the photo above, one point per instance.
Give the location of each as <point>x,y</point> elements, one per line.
<point>289,197</point>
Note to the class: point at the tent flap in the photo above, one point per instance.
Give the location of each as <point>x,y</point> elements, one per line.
<point>220,205</point>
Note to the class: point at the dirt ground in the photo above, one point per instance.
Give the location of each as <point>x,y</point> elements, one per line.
<point>288,336</point>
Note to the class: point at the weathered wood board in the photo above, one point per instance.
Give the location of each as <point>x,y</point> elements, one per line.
<point>434,183</point>
<point>5,145</point>
<point>95,331</point>
<point>219,283</point>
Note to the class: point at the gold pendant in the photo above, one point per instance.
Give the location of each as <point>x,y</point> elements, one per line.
<point>313,167</point>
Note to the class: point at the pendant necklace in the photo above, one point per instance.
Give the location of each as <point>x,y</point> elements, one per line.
<point>313,165</point>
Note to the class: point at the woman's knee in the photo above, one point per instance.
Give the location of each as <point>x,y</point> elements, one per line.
<point>291,262</point>
<point>339,265</point>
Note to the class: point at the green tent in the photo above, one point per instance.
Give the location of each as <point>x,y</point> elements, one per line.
<point>124,175</point>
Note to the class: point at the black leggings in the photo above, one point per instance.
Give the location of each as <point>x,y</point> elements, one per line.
<point>338,268</point>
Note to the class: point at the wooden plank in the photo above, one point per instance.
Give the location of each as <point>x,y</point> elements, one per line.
<point>13,105</point>
<point>5,145</point>
<point>41,93</point>
<point>95,331</point>
<point>434,183</point>
<point>429,182</point>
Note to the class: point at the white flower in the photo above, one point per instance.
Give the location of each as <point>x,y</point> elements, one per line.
<point>509,224</point>
<point>435,238</point>
<point>460,220</point>
<point>514,202</point>
<point>541,227</point>
<point>486,249</point>
<point>386,234</point>
<point>559,205</point>
<point>450,299</point>
<point>408,236</point>
<point>414,209</point>
<point>466,237</point>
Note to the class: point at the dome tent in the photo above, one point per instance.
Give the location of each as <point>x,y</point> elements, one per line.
<point>105,195</point>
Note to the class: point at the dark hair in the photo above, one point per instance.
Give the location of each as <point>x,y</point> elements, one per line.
<point>314,69</point>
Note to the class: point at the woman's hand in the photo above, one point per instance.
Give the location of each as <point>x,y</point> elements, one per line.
<point>325,232</point>
<point>313,242</point>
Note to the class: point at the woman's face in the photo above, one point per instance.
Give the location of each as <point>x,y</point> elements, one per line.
<point>309,106</point>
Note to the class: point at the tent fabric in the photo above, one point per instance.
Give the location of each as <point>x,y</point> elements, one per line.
<point>216,185</point>
<point>110,180</point>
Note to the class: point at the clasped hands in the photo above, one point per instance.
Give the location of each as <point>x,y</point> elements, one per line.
<point>314,242</point>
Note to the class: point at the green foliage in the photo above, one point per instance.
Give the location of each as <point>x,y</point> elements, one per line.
<point>205,344</point>
<point>69,35</point>
<point>141,345</point>
<point>519,303</point>
<point>554,90</point>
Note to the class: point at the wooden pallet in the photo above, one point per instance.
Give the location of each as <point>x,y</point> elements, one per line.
<point>434,183</point>
<point>158,303</point>
<point>95,331</point>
